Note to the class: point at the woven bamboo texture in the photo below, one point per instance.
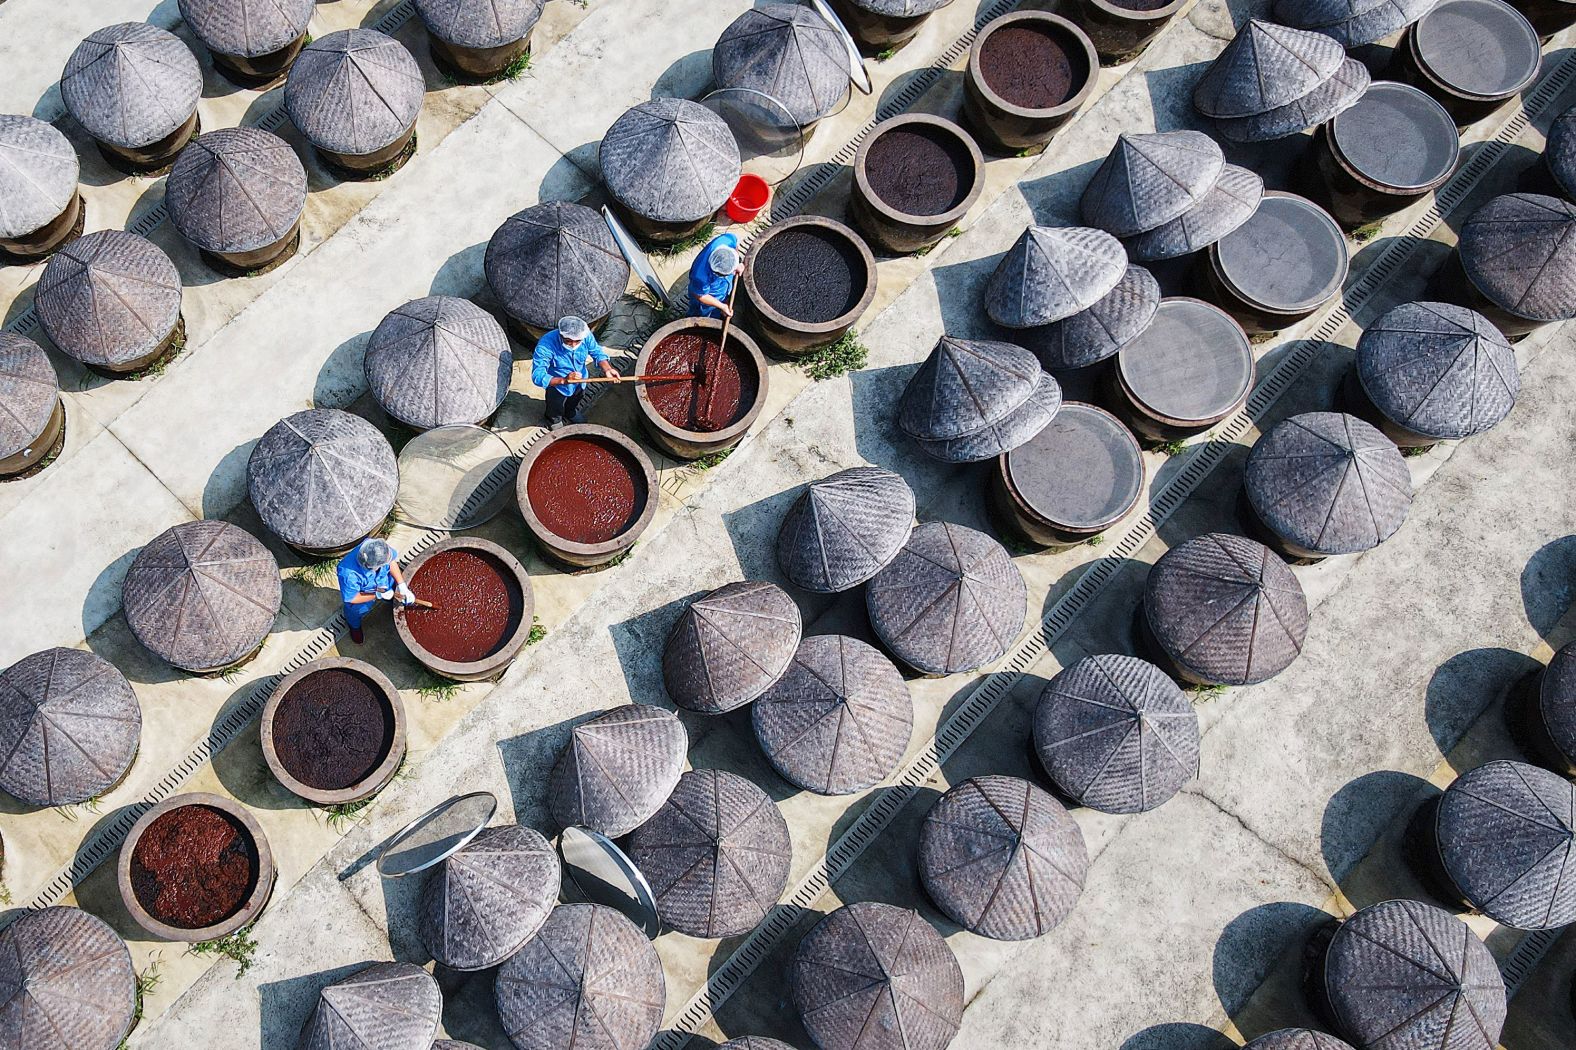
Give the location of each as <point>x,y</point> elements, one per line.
<point>876,977</point>
<point>109,298</point>
<point>1404,975</point>
<point>202,595</point>
<point>1116,734</point>
<point>1232,201</point>
<point>1266,66</point>
<point>439,360</point>
<point>1336,95</point>
<point>839,721</point>
<point>730,646</point>
<point>1352,23</point>
<point>1520,250</point>
<point>1002,858</point>
<point>1093,335</point>
<point>489,897</point>
<point>236,190</point>
<point>1226,608</point>
<point>354,91</point>
<point>389,1005</point>
<point>1329,483</point>
<point>29,391</point>
<point>1438,369</point>
<point>1559,151</point>
<point>951,601</point>
<point>322,478</point>
<point>670,160</point>
<point>589,980</point>
<point>1297,1039</point>
<point>786,51</point>
<point>964,386</point>
<point>69,727</point>
<point>131,84</point>
<point>716,854</point>
<point>248,28</point>
<point>66,983</point>
<point>480,23</point>
<point>901,8</point>
<point>618,769</point>
<point>1557,699</point>
<point>1052,272</point>
<point>1507,839</point>
<point>1149,180</point>
<point>38,174</point>
<point>845,528</point>
<point>754,1042</point>
<point>1020,426</point>
<point>555,260</point>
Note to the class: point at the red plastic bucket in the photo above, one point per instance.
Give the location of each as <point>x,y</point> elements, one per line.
<point>748,198</point>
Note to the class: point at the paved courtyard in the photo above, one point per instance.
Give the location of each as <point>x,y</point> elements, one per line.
<point>1191,930</point>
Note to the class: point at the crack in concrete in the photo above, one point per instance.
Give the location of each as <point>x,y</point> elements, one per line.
<point>1323,878</point>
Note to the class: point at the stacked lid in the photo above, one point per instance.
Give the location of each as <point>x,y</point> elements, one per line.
<point>845,528</point>
<point>131,84</point>
<point>951,601</point>
<point>1559,152</point>
<point>589,979</point>
<point>754,1042</point>
<point>973,399</point>
<point>109,298</point>
<point>38,175</point>
<point>236,190</point>
<point>617,769</point>
<point>1002,858</point>
<point>670,160</point>
<point>555,260</point>
<point>322,478</point>
<point>839,720</point>
<point>1519,251</point>
<point>1556,705</point>
<point>1408,976</point>
<point>202,595</point>
<point>69,727</point>
<point>786,51</point>
<point>480,23</point>
<point>1097,332</point>
<point>1116,734</point>
<point>1506,833</point>
<point>29,393</point>
<point>716,854</point>
<point>66,980</point>
<point>1225,610</point>
<point>1438,370</point>
<point>1297,1039</point>
<point>1169,193</point>
<point>1352,23</point>
<point>1052,272</point>
<point>389,1005</point>
<point>489,897</point>
<point>354,91</point>
<point>873,976</point>
<point>247,28</point>
<point>1272,81</point>
<point>901,8</point>
<point>1328,483</point>
<point>730,646</point>
<point>439,360</point>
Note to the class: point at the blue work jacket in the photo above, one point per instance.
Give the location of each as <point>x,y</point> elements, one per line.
<point>552,359</point>
<point>354,580</point>
<point>703,280</point>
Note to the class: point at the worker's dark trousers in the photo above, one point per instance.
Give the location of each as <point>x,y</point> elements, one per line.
<point>565,406</point>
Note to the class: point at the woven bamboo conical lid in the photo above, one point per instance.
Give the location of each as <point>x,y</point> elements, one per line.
<point>617,769</point>
<point>1099,332</point>
<point>489,897</point>
<point>964,386</point>
<point>1053,272</point>
<point>389,1005</point>
<point>247,28</point>
<point>38,175</point>
<point>109,298</point>
<point>236,190</point>
<point>322,478</point>
<point>1520,251</point>
<point>131,84</point>
<point>786,51</point>
<point>354,91</point>
<point>480,23</point>
<point>845,528</point>
<point>439,360</point>
<point>1231,202</point>
<point>1148,180</point>
<point>1265,66</point>
<point>670,160</point>
<point>730,646</point>
<point>69,727</point>
<point>555,260</point>
<point>1437,369</point>
<point>29,393</point>
<point>66,983</point>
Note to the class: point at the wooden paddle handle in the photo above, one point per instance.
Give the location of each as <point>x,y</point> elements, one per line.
<point>634,379</point>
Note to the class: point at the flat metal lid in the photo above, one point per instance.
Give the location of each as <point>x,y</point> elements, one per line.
<point>771,141</point>
<point>1084,470</point>
<point>436,835</point>
<point>1397,136</point>
<point>603,874</point>
<point>1480,47</point>
<point>1193,362</point>
<point>1289,256</point>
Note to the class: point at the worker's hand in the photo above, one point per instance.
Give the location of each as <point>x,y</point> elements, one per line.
<point>406,595</point>
<point>608,371</point>
<point>386,595</point>
<point>739,268</point>
<point>727,311</point>
<point>573,377</point>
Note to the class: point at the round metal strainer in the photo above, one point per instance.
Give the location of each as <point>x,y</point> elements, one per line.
<point>454,477</point>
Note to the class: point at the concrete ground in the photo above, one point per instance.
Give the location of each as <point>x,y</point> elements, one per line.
<point>1194,914</point>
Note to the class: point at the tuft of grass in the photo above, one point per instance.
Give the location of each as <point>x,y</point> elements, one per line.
<point>1027,151</point>
<point>5,895</point>
<point>882,56</point>
<point>537,632</point>
<point>1096,540</point>
<point>159,367</point>
<point>848,354</point>
<point>694,240</point>
<point>1364,234</point>
<point>437,689</point>
<point>93,807</point>
<point>711,459</point>
<point>316,573</point>
<point>622,558</point>
<point>1203,694</point>
<point>237,947</point>
<point>514,70</point>
<point>956,231</point>
<point>1409,451</point>
<point>343,815</point>
<point>385,530</point>
<point>147,981</point>
<point>1171,448</point>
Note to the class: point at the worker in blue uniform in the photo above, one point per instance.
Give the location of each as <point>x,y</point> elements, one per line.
<point>559,365</point>
<point>369,574</point>
<point>712,275</point>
